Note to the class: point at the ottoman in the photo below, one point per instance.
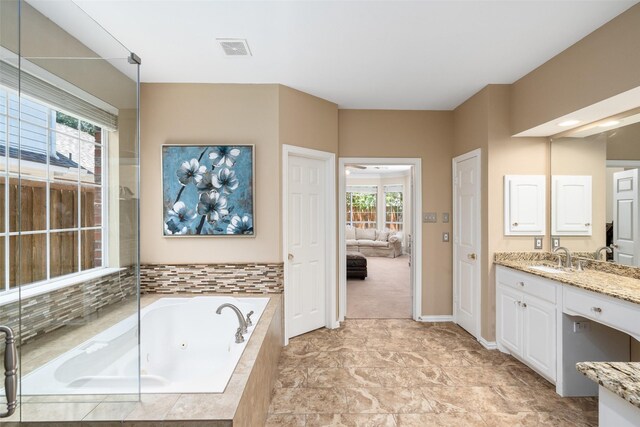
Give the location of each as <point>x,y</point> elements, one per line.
<point>356,266</point>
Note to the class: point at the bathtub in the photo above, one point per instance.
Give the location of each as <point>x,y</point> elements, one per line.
<point>185,347</point>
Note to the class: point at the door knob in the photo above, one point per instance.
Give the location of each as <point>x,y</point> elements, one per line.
<point>471,256</point>
<point>613,245</point>
<point>515,224</point>
<point>290,257</point>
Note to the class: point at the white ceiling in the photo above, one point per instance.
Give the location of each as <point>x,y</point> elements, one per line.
<point>358,54</point>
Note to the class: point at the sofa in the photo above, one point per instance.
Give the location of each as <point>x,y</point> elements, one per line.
<point>371,242</point>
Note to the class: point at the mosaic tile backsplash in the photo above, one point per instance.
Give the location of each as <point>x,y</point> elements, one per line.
<point>201,278</point>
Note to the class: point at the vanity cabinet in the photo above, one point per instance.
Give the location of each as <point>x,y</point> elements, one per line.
<point>524,205</point>
<point>571,207</point>
<point>526,319</point>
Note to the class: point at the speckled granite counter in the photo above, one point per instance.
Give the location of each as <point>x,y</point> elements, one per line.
<point>621,378</point>
<point>601,277</point>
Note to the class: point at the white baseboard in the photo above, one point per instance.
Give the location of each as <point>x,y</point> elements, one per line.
<point>445,318</point>
<point>489,345</point>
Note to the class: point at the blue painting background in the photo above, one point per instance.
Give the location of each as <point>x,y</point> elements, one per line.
<point>239,202</point>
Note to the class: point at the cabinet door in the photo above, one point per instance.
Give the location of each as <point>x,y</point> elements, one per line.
<point>524,204</point>
<point>539,335</point>
<point>509,319</point>
<point>571,205</point>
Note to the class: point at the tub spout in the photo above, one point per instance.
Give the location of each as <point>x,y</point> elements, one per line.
<point>242,328</point>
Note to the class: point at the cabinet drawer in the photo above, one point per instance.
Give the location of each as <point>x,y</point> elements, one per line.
<point>620,315</point>
<point>527,283</point>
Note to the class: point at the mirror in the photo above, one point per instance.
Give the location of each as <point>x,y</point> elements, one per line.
<point>607,155</point>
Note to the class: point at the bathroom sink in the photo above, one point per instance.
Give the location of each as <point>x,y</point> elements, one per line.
<point>546,269</point>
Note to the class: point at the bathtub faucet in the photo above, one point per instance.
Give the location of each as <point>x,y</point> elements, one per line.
<point>242,329</point>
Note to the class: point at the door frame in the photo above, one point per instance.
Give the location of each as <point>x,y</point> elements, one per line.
<point>329,160</point>
<point>416,230</point>
<point>478,290</point>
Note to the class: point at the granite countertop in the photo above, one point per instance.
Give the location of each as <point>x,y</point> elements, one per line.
<point>603,278</point>
<point>621,378</point>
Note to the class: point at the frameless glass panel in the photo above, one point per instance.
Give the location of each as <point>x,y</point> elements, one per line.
<point>28,259</point>
<point>63,253</point>
<point>63,205</point>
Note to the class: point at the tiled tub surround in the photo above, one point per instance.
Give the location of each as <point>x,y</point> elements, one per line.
<point>71,306</point>
<point>209,278</point>
<point>397,372</point>
<point>621,378</point>
<point>605,278</point>
<point>244,402</point>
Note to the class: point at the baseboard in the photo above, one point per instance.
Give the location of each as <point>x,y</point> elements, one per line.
<point>489,345</point>
<point>444,318</point>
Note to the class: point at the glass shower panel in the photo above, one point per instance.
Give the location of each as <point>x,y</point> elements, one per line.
<point>69,194</point>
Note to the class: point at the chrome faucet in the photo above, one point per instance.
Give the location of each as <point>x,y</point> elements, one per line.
<point>568,262</point>
<point>598,251</point>
<point>242,329</point>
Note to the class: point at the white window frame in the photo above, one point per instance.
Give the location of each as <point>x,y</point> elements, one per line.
<point>384,205</point>
<point>353,189</point>
<point>77,276</point>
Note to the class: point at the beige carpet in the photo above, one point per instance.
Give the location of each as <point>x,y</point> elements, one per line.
<point>384,294</point>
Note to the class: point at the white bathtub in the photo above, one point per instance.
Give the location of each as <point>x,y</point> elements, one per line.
<point>185,347</point>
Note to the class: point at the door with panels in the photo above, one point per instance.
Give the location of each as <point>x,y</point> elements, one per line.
<point>626,233</point>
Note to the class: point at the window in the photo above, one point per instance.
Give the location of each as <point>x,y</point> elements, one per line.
<point>393,207</point>
<point>362,205</point>
<point>52,218</point>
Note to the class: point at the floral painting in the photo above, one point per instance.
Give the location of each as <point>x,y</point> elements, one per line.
<point>207,190</point>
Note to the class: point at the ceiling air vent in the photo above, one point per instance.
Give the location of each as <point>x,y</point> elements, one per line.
<point>235,47</point>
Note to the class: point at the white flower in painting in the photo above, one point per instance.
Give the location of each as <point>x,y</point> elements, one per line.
<point>213,205</point>
<point>181,215</point>
<point>170,228</point>
<point>204,183</point>
<point>240,225</point>
<point>224,154</point>
<point>226,181</point>
<point>190,171</point>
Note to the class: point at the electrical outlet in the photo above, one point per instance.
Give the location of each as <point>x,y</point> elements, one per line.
<point>555,242</point>
<point>580,327</point>
<point>429,217</point>
<point>445,237</point>
<point>537,242</point>
<point>445,217</point>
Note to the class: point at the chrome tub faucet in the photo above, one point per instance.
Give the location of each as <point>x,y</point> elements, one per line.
<point>242,328</point>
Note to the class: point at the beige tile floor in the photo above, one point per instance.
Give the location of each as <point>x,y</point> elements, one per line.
<point>396,372</point>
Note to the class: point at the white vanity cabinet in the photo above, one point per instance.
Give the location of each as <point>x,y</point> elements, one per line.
<point>525,205</point>
<point>526,319</point>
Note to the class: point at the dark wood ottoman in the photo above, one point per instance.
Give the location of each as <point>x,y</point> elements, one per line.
<point>356,265</point>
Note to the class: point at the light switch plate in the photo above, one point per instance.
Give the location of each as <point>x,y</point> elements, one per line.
<point>555,242</point>
<point>537,242</point>
<point>429,217</point>
<point>445,237</point>
<point>445,217</point>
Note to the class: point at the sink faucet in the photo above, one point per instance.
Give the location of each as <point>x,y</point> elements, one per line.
<point>598,251</point>
<point>242,329</point>
<point>568,261</point>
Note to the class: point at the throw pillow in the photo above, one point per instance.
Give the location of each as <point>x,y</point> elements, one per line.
<point>369,234</point>
<point>383,236</point>
<point>351,233</point>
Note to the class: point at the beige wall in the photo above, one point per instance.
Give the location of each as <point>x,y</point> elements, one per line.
<point>210,114</point>
<point>601,65</point>
<point>624,143</point>
<point>483,122</point>
<point>427,135</point>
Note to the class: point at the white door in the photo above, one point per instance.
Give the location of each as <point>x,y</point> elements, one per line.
<point>306,245</point>
<point>626,236</point>
<point>466,240</point>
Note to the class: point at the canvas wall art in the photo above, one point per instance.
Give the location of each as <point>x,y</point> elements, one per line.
<point>208,190</point>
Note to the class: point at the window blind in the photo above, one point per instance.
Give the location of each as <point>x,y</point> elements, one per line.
<point>394,188</point>
<point>369,189</point>
<point>41,90</point>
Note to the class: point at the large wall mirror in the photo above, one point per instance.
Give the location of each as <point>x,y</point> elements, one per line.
<point>595,192</point>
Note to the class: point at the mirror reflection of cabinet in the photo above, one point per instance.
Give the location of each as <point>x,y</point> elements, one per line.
<point>524,205</point>
<point>571,205</point>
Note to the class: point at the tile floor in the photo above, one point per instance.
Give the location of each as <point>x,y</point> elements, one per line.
<point>396,372</point>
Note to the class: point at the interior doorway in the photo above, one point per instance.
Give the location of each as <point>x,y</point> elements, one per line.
<point>379,264</point>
